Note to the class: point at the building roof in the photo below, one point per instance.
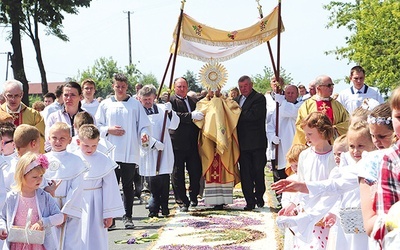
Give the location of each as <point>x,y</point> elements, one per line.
<point>36,88</point>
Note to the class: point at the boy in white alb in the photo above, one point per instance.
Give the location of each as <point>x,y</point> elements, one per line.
<point>7,142</point>
<point>124,122</point>
<point>66,173</point>
<point>89,103</point>
<point>82,118</point>
<point>101,196</point>
<point>26,139</point>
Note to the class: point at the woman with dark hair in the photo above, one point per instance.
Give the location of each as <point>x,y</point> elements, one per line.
<point>72,95</point>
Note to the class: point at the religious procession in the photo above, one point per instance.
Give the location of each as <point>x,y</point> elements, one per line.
<point>295,167</point>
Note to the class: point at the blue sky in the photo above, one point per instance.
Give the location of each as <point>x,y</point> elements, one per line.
<point>102,31</point>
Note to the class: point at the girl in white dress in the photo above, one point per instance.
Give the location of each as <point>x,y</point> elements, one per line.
<point>315,163</point>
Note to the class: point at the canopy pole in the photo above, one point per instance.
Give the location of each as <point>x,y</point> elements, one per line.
<point>277,76</point>
<point>178,34</point>
<point>164,76</point>
<point>275,68</point>
<point>271,55</point>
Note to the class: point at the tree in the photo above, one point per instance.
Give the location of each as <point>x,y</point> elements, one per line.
<point>102,73</point>
<point>49,14</point>
<point>373,43</point>
<point>45,12</point>
<point>261,82</point>
<point>149,79</point>
<point>11,12</point>
<point>191,79</point>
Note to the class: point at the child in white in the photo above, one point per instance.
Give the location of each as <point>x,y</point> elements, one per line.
<point>27,196</point>
<point>101,196</point>
<point>80,119</point>
<point>7,144</point>
<point>341,192</point>
<point>292,158</point>
<point>66,173</point>
<point>27,138</point>
<point>315,163</point>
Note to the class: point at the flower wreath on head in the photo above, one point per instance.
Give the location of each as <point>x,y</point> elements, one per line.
<point>41,160</point>
<point>379,120</point>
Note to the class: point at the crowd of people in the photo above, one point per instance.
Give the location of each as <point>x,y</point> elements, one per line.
<point>63,159</point>
<point>342,185</point>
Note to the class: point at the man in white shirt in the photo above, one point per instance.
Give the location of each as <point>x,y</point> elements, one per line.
<point>352,97</point>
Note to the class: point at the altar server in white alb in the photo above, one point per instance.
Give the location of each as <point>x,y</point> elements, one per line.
<point>288,107</point>
<point>124,122</point>
<point>352,98</point>
<point>159,182</point>
<point>83,118</point>
<point>66,173</point>
<point>101,197</point>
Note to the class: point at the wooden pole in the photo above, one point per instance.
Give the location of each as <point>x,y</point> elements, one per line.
<point>178,34</point>
<point>164,76</point>
<point>271,55</point>
<point>277,76</point>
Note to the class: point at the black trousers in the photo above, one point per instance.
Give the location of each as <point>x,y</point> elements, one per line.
<point>128,174</point>
<point>252,164</point>
<point>159,188</point>
<point>191,160</point>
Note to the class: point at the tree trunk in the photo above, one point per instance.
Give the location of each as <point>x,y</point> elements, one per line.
<point>39,60</point>
<point>17,62</point>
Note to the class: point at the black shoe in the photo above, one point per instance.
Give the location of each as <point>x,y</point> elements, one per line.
<point>152,215</point>
<point>165,212</point>
<point>194,203</point>
<point>248,208</point>
<point>260,203</point>
<point>112,227</point>
<point>184,209</point>
<point>128,222</point>
<point>219,207</point>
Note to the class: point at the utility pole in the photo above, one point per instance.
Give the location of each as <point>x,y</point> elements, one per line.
<point>8,60</point>
<point>129,36</point>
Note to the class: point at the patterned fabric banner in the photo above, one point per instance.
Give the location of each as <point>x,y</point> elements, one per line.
<point>201,42</point>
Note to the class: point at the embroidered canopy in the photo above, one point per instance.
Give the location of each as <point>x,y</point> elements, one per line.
<point>201,42</point>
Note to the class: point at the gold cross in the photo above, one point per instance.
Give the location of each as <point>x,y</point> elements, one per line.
<point>323,108</point>
<point>214,175</point>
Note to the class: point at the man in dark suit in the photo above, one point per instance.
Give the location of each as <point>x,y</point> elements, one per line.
<point>252,143</point>
<point>184,142</point>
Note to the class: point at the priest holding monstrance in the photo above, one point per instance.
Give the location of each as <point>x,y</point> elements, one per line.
<point>218,143</point>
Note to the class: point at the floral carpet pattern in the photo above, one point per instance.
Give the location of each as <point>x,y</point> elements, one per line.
<point>231,228</point>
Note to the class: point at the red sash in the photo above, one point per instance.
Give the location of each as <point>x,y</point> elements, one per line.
<point>17,117</point>
<point>215,170</point>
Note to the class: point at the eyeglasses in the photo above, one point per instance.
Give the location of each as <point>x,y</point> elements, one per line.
<point>6,142</point>
<point>329,85</point>
<point>10,96</point>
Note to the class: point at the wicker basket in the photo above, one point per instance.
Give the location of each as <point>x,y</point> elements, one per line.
<point>21,235</point>
<point>351,220</point>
